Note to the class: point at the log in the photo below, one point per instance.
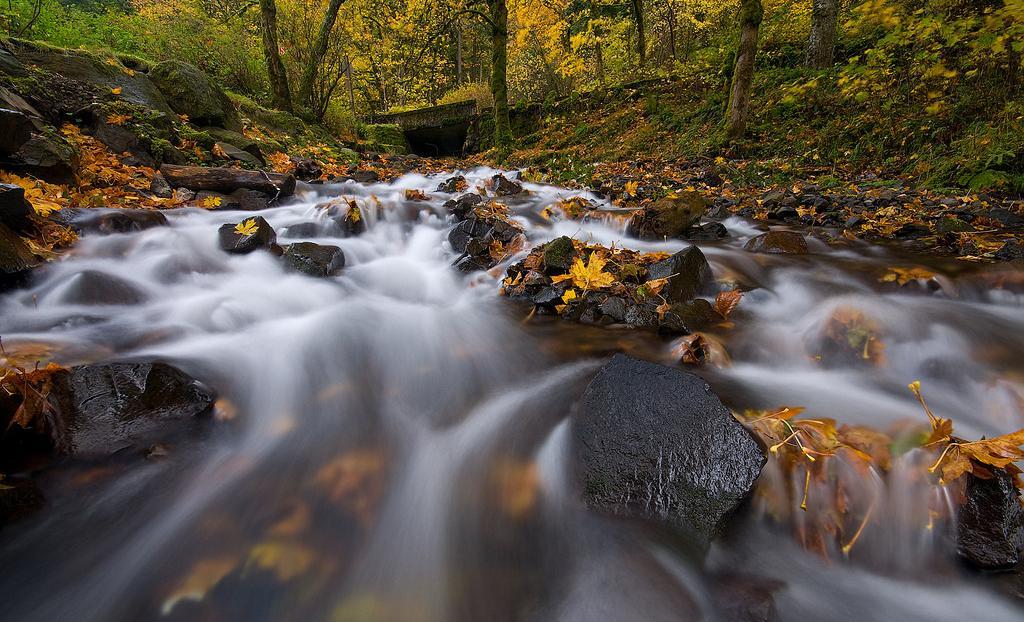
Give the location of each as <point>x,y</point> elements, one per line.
<point>227,180</point>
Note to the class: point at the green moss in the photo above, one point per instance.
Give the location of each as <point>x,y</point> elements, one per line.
<point>389,136</point>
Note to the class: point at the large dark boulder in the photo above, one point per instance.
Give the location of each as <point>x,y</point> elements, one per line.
<point>654,442</point>
<point>106,407</point>
<point>96,288</point>
<point>688,274</point>
<point>46,155</point>
<point>16,260</point>
<point>108,221</point>
<point>463,206</point>
<point>320,260</point>
<point>503,186</point>
<point>670,217</point>
<point>990,525</point>
<point>105,74</point>
<point>191,92</point>
<point>777,243</point>
<point>262,235</point>
<point>16,127</point>
<point>237,139</point>
<point>14,207</point>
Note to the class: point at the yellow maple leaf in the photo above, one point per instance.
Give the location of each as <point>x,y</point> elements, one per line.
<point>212,202</point>
<point>590,275</point>
<point>118,119</point>
<point>116,90</point>
<point>246,227</point>
<point>632,187</point>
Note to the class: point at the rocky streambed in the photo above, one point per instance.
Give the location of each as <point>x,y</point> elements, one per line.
<point>469,396</point>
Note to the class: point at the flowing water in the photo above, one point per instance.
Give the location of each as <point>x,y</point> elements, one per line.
<point>392,443</point>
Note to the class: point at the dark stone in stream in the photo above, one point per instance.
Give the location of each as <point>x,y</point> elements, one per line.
<point>234,242</point>
<point>303,230</point>
<point>614,308</point>
<point>503,186</point>
<point>462,206</point>
<point>1011,251</point>
<point>639,316</point>
<point>160,188</point>
<point>306,169</point>
<point>115,220</point>
<point>777,243</point>
<point>95,288</point>
<point>667,218</point>
<point>314,259</point>
<point>242,199</point>
<point>558,255</point>
<point>16,260</point>
<point>105,407</point>
<point>452,185</point>
<point>708,232</point>
<point>14,207</point>
<point>655,442</point>
<point>686,318</point>
<point>990,523</point>
<point>688,275</point>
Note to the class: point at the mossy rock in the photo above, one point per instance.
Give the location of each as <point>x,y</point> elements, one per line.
<point>105,72</point>
<point>388,136</point>
<point>193,93</point>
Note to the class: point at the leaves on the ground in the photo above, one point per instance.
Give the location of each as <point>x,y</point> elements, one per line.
<point>247,227</point>
<point>280,162</point>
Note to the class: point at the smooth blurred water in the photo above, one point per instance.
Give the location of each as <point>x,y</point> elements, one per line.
<point>399,451</point>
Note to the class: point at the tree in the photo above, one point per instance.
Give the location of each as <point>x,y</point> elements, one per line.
<point>499,72</point>
<point>824,26</point>
<point>279,92</point>
<point>637,6</point>
<point>316,56</point>
<point>751,15</point>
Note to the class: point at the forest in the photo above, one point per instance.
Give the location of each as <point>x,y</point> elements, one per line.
<point>512,310</point>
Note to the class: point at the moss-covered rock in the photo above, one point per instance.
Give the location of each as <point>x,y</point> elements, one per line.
<point>191,92</point>
<point>387,137</point>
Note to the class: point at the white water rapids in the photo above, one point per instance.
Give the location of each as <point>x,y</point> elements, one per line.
<point>391,420</point>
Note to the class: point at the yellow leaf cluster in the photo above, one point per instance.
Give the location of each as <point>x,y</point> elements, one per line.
<point>588,276</point>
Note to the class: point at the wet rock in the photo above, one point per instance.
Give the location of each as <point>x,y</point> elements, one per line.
<point>655,442</point>
<point>14,207</point>
<point>106,407</point>
<point>952,224</point>
<point>116,220</point>
<point>687,318</point>
<point>667,218</point>
<point>1005,217</point>
<point>912,230</point>
<point>228,180</point>
<point>708,232</point>
<point>990,524</point>
<point>778,243</point>
<point>95,288</point>
<point>232,241</point>
<point>314,259</point>
<point>453,184</point>
<point>688,274</point>
<point>1011,251</point>
<point>462,206</point>
<point>306,169</point>
<point>548,297</point>
<point>47,156</point>
<point>160,188</point>
<point>242,199</point>
<point>503,186</point>
<point>237,154</point>
<point>558,255</point>
<point>474,237</point>
<point>236,139</point>
<point>614,308</point>
<point>191,92</point>
<point>352,222</point>
<point>16,127</point>
<point>19,498</point>
<point>361,176</point>
<point>303,230</point>
<point>16,260</point>
<point>639,316</point>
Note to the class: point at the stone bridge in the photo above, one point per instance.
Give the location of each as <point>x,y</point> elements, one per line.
<point>438,130</point>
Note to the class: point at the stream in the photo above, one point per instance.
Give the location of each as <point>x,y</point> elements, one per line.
<point>392,444</point>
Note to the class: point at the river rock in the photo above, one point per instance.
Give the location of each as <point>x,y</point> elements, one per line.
<point>243,199</point>
<point>654,442</point>
<point>115,220</point>
<point>234,242</point>
<point>741,598</point>
<point>453,184</point>
<point>558,255</point>
<point>16,127</point>
<point>473,239</point>
<point>777,243</point>
<point>16,260</point>
<point>96,288</point>
<point>462,206</point>
<point>306,169</point>
<point>1010,251</point>
<point>990,524</point>
<point>106,407</point>
<point>666,218</point>
<point>687,318</point>
<point>314,259</point>
<point>503,186</point>
<point>18,498</point>
<point>48,156</point>
<point>191,92</point>
<point>237,154</point>
<point>14,207</point>
<point>706,233</point>
<point>688,274</point>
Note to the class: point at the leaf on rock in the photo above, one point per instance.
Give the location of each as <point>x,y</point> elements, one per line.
<point>247,227</point>
<point>726,302</point>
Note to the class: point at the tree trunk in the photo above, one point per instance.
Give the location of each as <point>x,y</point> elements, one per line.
<point>499,68</point>
<point>458,56</point>
<point>316,55</point>
<point>824,26</point>
<point>279,92</point>
<point>641,38</point>
<point>751,14</point>
<point>227,180</point>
